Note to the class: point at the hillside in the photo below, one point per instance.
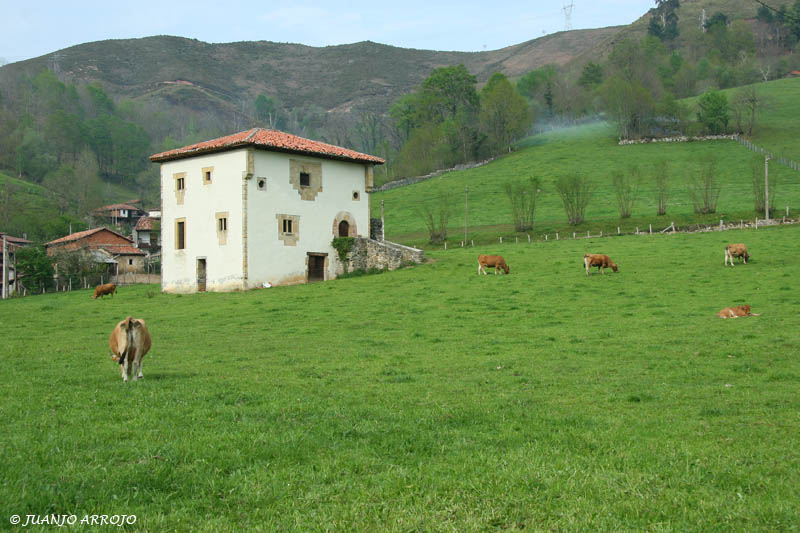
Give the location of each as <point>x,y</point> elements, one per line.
<point>216,78</point>
<point>592,150</point>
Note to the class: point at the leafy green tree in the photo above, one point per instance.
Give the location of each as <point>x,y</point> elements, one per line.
<point>630,105</point>
<point>591,76</point>
<point>34,268</point>
<point>714,113</point>
<point>445,92</point>
<point>504,113</point>
<point>266,109</point>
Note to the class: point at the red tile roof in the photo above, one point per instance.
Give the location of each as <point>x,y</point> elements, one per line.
<point>272,140</point>
<point>121,249</point>
<point>83,234</point>
<point>145,223</point>
<point>14,240</point>
<point>118,206</point>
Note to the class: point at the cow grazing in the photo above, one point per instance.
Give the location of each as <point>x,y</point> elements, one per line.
<point>129,341</point>
<point>102,290</point>
<point>736,312</point>
<point>736,250</point>
<point>601,261</point>
<point>495,261</point>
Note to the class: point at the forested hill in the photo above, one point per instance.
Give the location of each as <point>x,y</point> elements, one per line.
<point>220,78</point>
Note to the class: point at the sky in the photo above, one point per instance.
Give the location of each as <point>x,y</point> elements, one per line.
<point>39,28</point>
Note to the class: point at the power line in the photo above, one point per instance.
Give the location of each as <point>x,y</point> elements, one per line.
<point>785,14</point>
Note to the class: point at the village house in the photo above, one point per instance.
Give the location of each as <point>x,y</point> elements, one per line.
<point>106,246</point>
<point>8,272</point>
<point>258,208</point>
<point>147,234</point>
<point>119,214</point>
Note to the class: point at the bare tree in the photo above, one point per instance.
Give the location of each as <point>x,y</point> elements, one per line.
<point>705,190</point>
<point>575,192</point>
<point>523,202</point>
<point>662,186</point>
<point>436,218</point>
<point>626,187</point>
<point>747,104</point>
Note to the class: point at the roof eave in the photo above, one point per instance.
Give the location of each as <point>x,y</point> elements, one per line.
<point>158,158</point>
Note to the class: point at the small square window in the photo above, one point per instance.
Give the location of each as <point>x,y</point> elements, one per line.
<point>261,184</point>
<point>207,171</point>
<point>356,195</point>
<point>130,262</point>
<point>305,179</point>
<point>180,184</point>
<point>287,225</point>
<point>222,224</point>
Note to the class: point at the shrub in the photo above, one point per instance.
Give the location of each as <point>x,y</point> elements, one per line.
<point>575,192</point>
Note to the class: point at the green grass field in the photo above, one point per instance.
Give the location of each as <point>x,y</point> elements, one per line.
<point>593,151</point>
<point>425,399</point>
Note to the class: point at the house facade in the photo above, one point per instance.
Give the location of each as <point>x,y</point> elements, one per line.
<point>106,246</point>
<point>258,207</point>
<point>8,271</point>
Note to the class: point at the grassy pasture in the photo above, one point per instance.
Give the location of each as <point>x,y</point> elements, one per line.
<point>427,398</point>
<point>593,150</point>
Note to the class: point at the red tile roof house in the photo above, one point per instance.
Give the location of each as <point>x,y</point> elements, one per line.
<point>147,234</point>
<point>112,247</point>
<point>119,213</point>
<point>12,244</point>
<point>259,208</point>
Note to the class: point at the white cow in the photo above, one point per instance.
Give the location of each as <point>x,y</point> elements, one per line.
<point>129,341</point>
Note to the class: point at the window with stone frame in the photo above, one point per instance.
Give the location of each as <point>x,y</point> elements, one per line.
<point>288,229</point>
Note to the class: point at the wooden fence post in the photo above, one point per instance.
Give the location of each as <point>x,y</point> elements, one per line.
<point>651,229</point>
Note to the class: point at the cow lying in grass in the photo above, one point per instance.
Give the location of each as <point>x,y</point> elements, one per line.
<point>601,261</point>
<point>736,312</point>
<point>129,341</point>
<point>495,261</point>
<point>102,290</point>
<point>736,250</point>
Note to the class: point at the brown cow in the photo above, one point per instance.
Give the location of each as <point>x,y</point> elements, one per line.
<point>129,342</point>
<point>736,250</point>
<point>736,312</point>
<point>495,261</point>
<point>601,261</point>
<point>102,290</point>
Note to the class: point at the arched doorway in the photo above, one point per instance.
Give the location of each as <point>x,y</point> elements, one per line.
<point>344,229</point>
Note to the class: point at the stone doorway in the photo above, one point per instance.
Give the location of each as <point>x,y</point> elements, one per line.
<point>316,267</point>
<point>201,274</point>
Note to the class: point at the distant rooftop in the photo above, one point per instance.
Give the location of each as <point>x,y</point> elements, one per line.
<point>272,140</point>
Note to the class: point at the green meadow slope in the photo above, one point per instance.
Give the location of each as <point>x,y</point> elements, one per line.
<point>425,399</point>
<point>593,150</point>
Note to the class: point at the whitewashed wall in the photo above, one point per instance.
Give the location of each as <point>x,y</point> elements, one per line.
<point>200,204</point>
<point>269,259</point>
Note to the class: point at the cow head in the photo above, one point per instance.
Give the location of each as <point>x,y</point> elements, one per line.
<point>614,267</point>
<point>746,256</point>
<point>746,309</point>
<point>506,268</point>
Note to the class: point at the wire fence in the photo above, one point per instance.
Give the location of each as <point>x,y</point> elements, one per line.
<point>649,230</point>
<point>794,165</point>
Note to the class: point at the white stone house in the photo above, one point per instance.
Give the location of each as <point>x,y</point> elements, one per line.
<point>258,207</point>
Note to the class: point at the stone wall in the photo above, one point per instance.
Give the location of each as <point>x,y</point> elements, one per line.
<point>368,254</point>
<point>376,229</point>
<point>410,181</point>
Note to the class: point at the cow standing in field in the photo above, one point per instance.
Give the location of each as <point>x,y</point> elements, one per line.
<point>736,250</point>
<point>601,261</point>
<point>129,342</point>
<point>736,312</point>
<point>495,261</point>
<point>102,290</point>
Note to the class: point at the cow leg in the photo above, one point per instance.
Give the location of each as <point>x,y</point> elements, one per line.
<point>124,368</point>
<point>586,264</point>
